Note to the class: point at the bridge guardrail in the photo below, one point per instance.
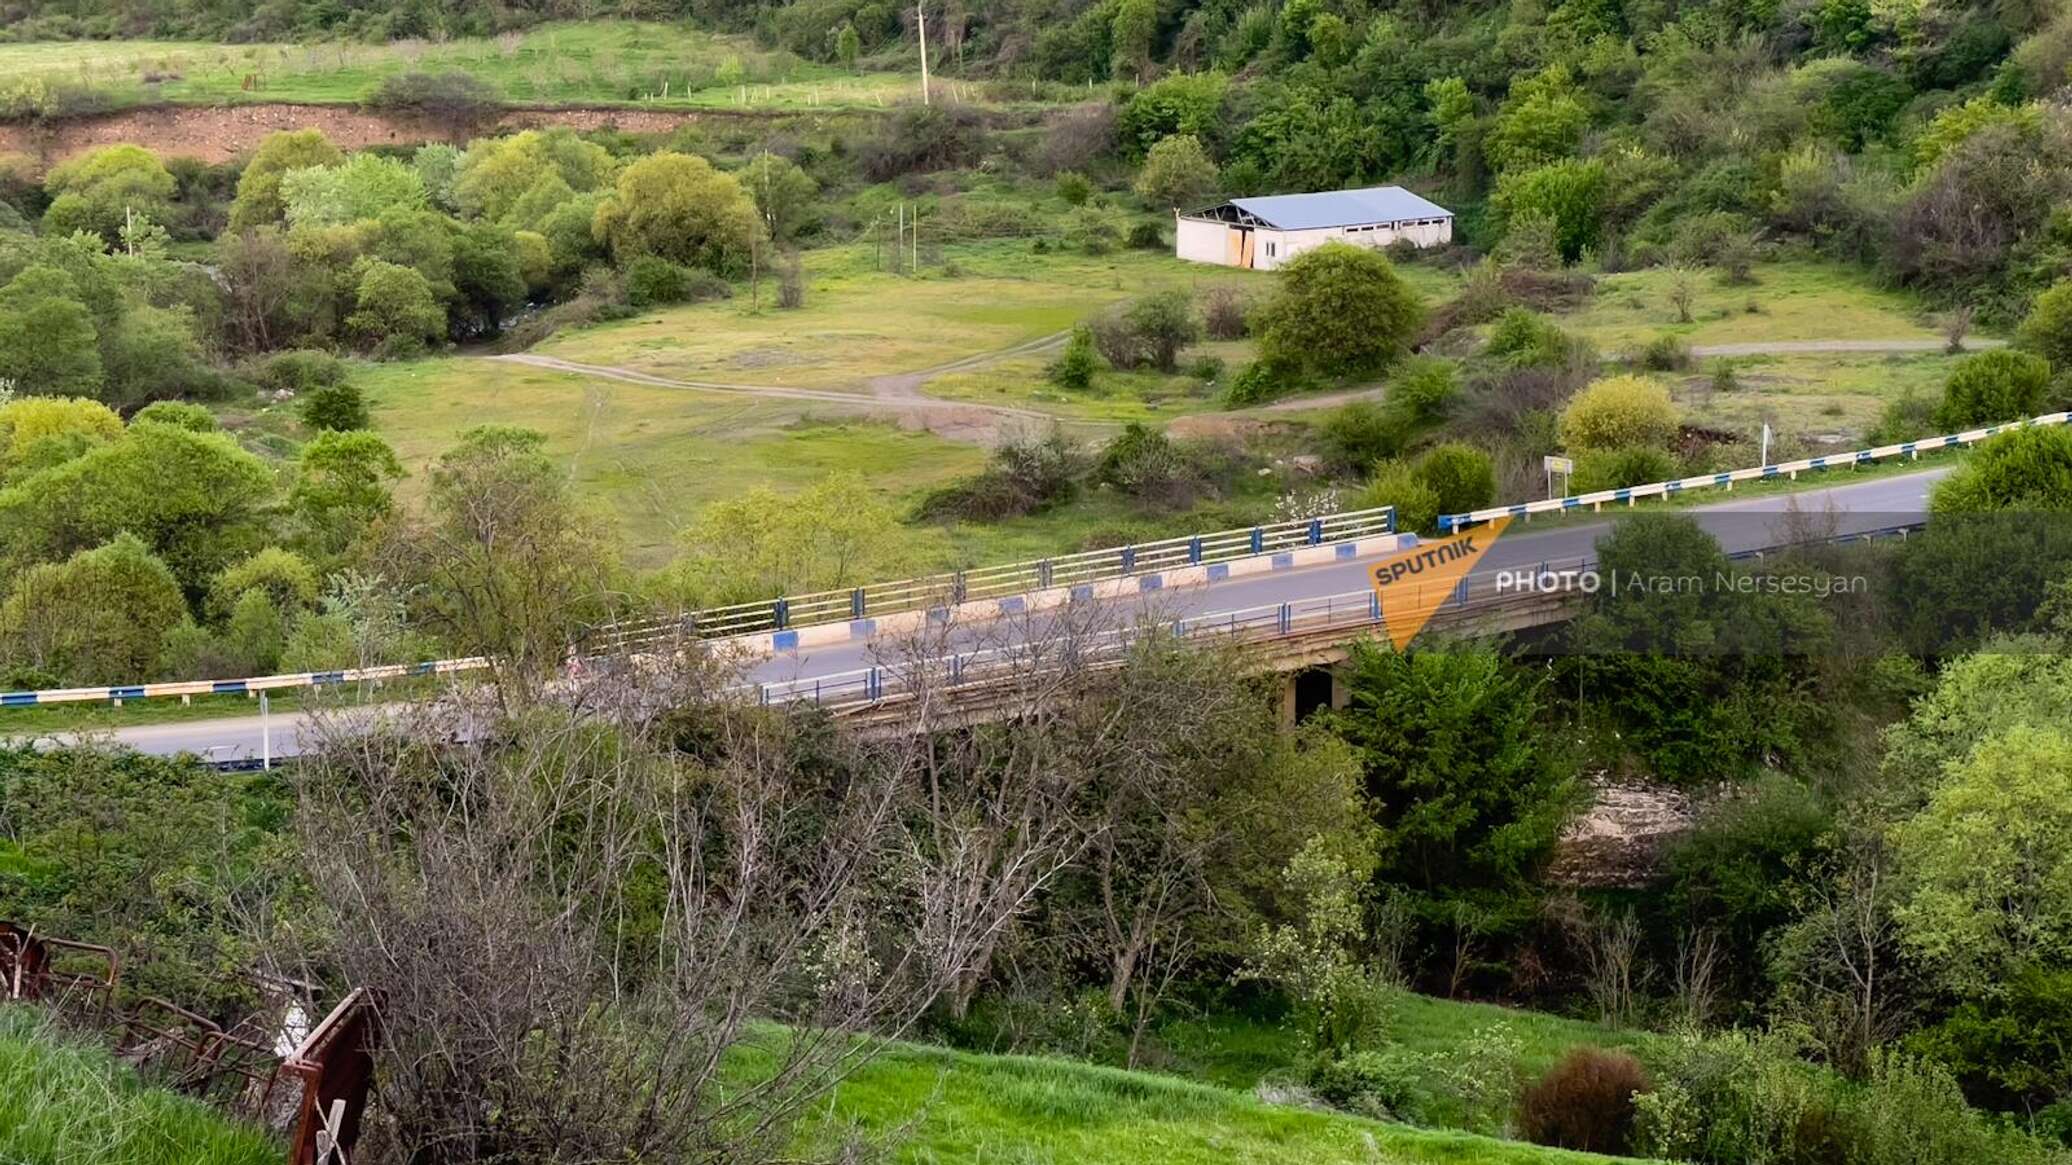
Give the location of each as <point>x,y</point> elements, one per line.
<point>914,594</point>
<point>1448,523</point>
<point>1301,617</point>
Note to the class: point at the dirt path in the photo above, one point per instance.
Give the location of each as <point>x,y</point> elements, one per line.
<point>1798,347</point>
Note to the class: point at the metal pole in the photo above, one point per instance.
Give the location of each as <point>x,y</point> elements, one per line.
<point>265,733</point>
<point>921,25</point>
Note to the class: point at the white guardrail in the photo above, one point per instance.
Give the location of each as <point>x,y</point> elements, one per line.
<point>1019,578</point>
<point>1448,523</point>
<point>1340,531</point>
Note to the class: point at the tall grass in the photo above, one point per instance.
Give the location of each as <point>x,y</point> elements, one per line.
<point>63,1102</point>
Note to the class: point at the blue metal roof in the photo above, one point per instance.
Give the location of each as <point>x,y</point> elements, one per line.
<point>1339,208</point>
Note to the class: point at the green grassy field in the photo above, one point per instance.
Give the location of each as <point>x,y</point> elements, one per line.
<point>1037,1111</point>
<point>1833,394</point>
<point>1796,300</point>
<point>594,63</point>
<point>63,1103</point>
<point>860,323</point>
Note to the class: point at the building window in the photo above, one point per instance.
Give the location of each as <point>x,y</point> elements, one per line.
<point>1269,250</point>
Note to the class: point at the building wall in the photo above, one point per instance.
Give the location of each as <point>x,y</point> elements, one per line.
<point>1208,241</point>
<point>1201,241</point>
<point>1277,247</point>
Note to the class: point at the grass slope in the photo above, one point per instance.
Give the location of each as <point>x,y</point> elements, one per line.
<point>63,1103</point>
<point>1036,1111</point>
<point>592,63</point>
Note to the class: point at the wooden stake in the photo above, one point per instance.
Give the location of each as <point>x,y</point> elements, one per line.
<point>921,25</point>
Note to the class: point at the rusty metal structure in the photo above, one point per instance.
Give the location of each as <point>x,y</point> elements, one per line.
<point>311,1086</point>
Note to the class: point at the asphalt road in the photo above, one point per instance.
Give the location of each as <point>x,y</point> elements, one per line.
<point>1738,524</point>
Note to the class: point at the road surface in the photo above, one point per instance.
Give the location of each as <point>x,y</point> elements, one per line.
<point>1738,524</point>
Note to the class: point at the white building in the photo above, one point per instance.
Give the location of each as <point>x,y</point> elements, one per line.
<point>1267,232</point>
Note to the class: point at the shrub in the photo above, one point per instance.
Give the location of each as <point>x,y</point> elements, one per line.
<point>652,281</point>
<point>339,408</point>
<point>1523,338</point>
<point>1075,366</point>
<point>1384,1084</point>
<point>1423,390</point>
<point>1397,484</point>
<point>301,371</point>
<point>1992,387</point>
<point>1223,312</point>
<point>1461,477</point>
<point>2023,469</point>
<point>1531,241</point>
<point>1259,382</point>
<point>1177,173</point>
<point>1619,412</point>
<point>791,283</point>
<point>1025,477</point>
<point>1207,369</point>
<point>1340,311</point>
<point>1356,435</point>
<point>450,98</point>
<point>1115,339</point>
<point>1584,1102</point>
<point>1096,230</point>
<point>1910,417</point>
<point>923,138</point>
<point>1598,469</point>
<point>1665,353</point>
<point>2047,330</point>
<point>1073,187</point>
<point>1163,323</point>
<point>192,417</point>
<point>1146,236</point>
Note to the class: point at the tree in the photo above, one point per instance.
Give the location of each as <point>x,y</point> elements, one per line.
<point>1135,25</point>
<point>1339,311</point>
<point>286,578</point>
<point>2047,330</point>
<point>1164,323</point>
<point>1396,483</point>
<point>847,46</point>
<point>1175,105</point>
<point>1989,862</point>
<point>365,186</point>
<point>679,208</point>
<point>1620,412</point>
<point>1993,387</point>
<point>152,354</point>
<point>488,285</point>
<point>193,498</point>
<point>1704,676</point>
<point>1177,173</point>
<point>48,344</point>
<point>1458,773</point>
<point>512,566</point>
<point>97,192</point>
<point>761,545</point>
<point>97,617</point>
<point>1571,192</point>
<point>783,195</point>
<point>396,312</point>
<point>516,180</point>
<point>258,200</point>
<point>342,486</point>
<point>1541,122</point>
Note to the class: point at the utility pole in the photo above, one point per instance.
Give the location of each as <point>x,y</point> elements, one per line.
<point>921,25</point>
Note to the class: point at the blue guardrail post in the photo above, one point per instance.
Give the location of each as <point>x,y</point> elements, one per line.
<point>1129,559</point>
<point>1316,531</point>
<point>781,611</point>
<point>1194,549</point>
<point>856,603</point>
<point>1258,540</point>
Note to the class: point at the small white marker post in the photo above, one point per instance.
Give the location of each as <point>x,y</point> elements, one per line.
<point>265,733</point>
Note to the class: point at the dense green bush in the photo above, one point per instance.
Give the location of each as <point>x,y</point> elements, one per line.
<point>451,98</point>
<point>1339,311</point>
<point>337,408</point>
<point>1601,469</point>
<point>1356,435</point>
<point>1991,388</point>
<point>1619,412</point>
<point>1461,477</point>
<point>1076,364</point>
<point>652,281</point>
